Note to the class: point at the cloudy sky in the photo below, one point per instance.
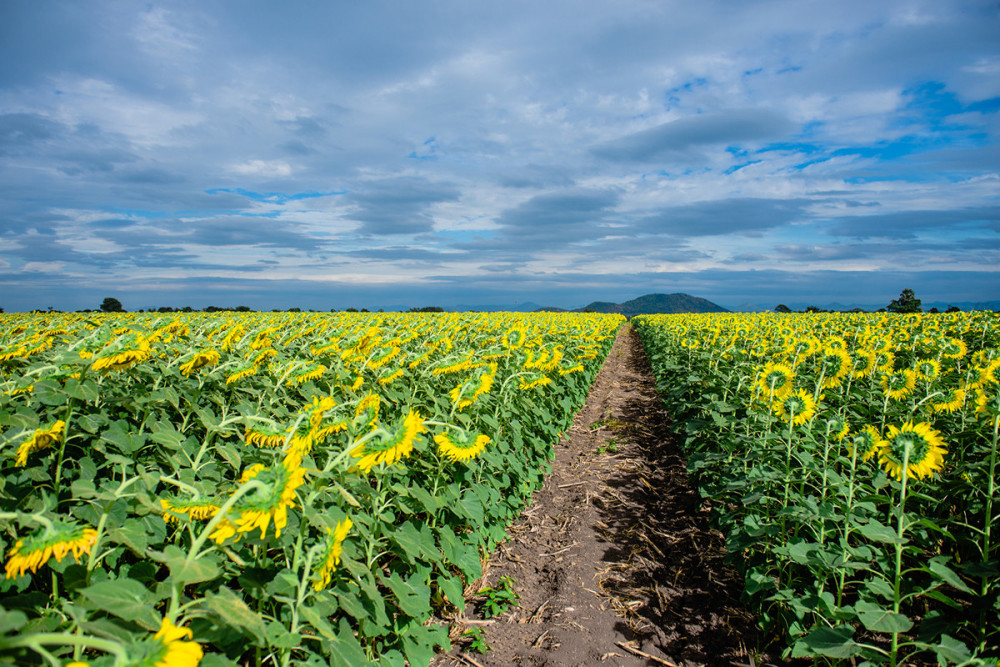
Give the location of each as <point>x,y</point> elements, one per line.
<point>335,154</point>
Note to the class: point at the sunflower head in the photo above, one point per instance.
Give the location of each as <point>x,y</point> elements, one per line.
<point>167,648</point>
<point>988,401</point>
<point>333,549</point>
<point>798,408</point>
<point>865,443</point>
<point>776,380</point>
<point>928,369</point>
<point>837,427</point>
<point>462,447</point>
<point>63,537</point>
<point>267,503</point>
<point>43,438</point>
<point>388,450</point>
<point>898,384</point>
<point>917,448</point>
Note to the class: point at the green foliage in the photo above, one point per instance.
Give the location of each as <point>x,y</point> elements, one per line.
<point>112,305</point>
<point>499,598</point>
<point>154,439</point>
<point>845,560</point>
<point>477,641</point>
<point>906,303</point>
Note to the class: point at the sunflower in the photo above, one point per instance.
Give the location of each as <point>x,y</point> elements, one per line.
<point>457,396</point>
<point>459,367</point>
<point>885,361</point>
<point>572,369</point>
<point>463,450</point>
<point>866,442</point>
<point>57,540</point>
<point>799,407</point>
<point>312,373</point>
<point>837,427</point>
<point>194,509</point>
<point>553,362</point>
<point>870,357</point>
<point>776,380</point>
<point>515,337</point>
<point>42,438</point>
<point>919,444</point>
<point>954,400</point>
<point>263,506</point>
<point>928,369</point>
<point>264,437</point>
<point>390,450</point>
<point>536,380</point>
<point>835,364</point>
<point>262,356</point>
<point>954,348</point>
<point>483,384</point>
<point>988,374</point>
<point>200,360</point>
<point>380,360</point>
<point>166,648</point>
<point>242,372</point>
<point>367,411</point>
<point>388,378</point>
<point>134,349</point>
<point>988,400</point>
<point>899,384</point>
<point>331,558</point>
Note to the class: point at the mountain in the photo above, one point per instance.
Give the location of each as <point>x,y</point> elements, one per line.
<point>656,303</point>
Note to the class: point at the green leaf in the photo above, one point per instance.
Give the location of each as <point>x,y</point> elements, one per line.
<point>835,642</point>
<point>878,532</point>
<point>278,636</point>
<point>312,617</point>
<point>347,651</point>
<point>453,590</point>
<point>946,574</point>
<point>164,433</point>
<point>201,569</point>
<point>348,498</point>
<point>123,440</point>
<point>419,642</point>
<point>234,611</point>
<point>952,650</point>
<point>880,587</point>
<point>416,543</point>
<point>11,621</point>
<point>125,598</point>
<point>412,600</point>
<point>877,619</point>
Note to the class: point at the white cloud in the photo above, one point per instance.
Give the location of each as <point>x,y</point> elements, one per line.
<point>262,168</point>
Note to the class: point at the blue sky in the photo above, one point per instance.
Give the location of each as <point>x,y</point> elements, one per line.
<point>379,154</point>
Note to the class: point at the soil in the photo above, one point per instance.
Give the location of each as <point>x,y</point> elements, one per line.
<point>614,561</point>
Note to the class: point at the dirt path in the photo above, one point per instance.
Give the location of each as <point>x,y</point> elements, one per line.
<point>614,560</point>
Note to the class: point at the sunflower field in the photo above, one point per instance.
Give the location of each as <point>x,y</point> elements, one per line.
<point>851,462</point>
<point>268,488</point>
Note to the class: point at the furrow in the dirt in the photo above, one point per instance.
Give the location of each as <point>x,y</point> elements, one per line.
<point>614,562</point>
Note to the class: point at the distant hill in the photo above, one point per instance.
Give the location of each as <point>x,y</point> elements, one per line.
<point>656,303</point>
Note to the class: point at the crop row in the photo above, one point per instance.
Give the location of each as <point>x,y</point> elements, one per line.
<point>851,461</point>
<point>311,489</point>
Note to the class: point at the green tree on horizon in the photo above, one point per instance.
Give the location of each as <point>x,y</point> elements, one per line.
<point>906,303</point>
<point>112,305</point>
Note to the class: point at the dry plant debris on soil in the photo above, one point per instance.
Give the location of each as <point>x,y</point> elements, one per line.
<point>614,561</point>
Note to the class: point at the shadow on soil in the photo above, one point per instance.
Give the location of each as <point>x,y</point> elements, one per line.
<point>666,569</point>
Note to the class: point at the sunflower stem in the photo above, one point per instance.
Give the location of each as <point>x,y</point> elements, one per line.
<point>987,546</point>
<point>194,552</point>
<point>36,641</point>
<point>900,531</point>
